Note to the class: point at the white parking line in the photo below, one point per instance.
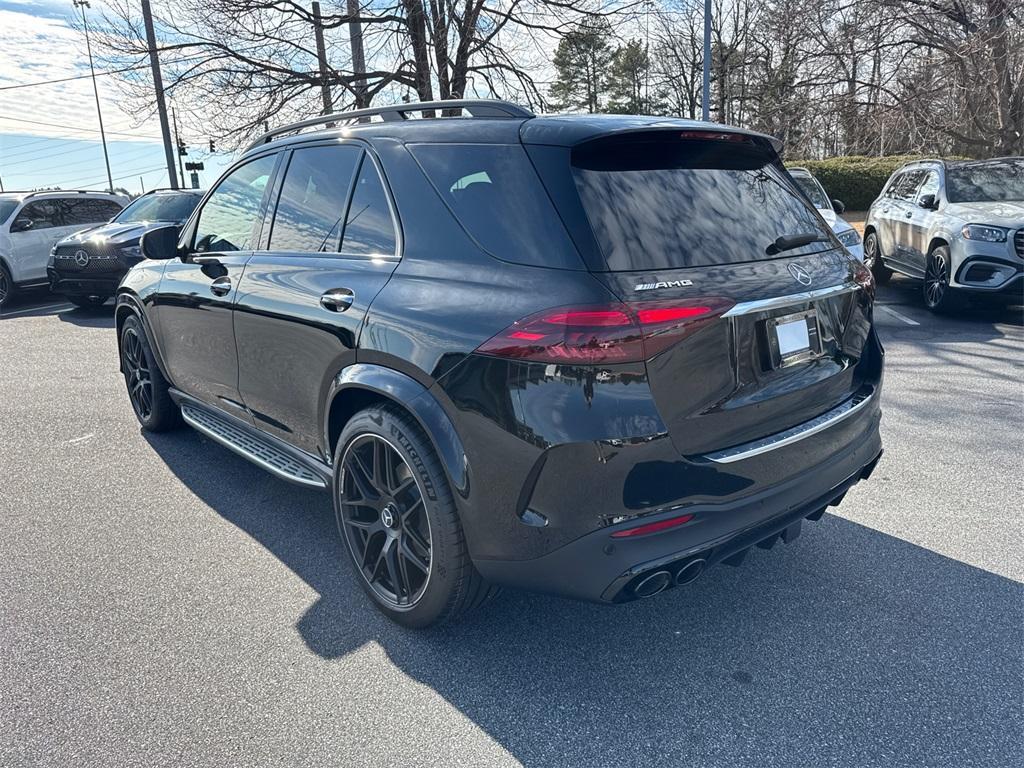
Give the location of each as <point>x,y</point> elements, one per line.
<point>34,309</point>
<point>897,315</point>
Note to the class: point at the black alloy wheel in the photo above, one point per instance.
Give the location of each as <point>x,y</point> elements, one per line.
<point>384,521</point>
<point>137,374</point>
<point>6,285</point>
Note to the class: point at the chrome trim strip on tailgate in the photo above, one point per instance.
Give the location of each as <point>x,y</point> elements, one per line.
<point>762,305</point>
<point>787,437</point>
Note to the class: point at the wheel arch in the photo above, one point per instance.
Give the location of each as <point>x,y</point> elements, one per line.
<point>362,385</point>
<point>128,305</point>
<point>936,242</point>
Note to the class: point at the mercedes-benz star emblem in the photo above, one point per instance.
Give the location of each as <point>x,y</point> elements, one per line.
<point>81,257</point>
<point>387,516</point>
<point>799,274</point>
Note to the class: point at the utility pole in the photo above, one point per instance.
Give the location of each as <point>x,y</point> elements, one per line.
<point>705,111</point>
<point>83,4</point>
<point>158,85</point>
<point>178,144</point>
<point>321,55</point>
<point>355,31</point>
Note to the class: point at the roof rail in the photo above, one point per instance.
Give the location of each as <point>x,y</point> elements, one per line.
<point>396,112</point>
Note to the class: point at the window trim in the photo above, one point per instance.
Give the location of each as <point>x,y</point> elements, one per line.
<point>366,152</point>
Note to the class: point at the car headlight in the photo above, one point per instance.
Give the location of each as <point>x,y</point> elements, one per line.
<point>132,251</point>
<point>984,233</point>
<point>849,237</point>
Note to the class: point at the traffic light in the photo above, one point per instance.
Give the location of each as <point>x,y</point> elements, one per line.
<point>182,149</point>
<point>212,148</point>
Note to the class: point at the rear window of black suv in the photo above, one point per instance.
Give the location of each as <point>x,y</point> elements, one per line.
<point>662,202</point>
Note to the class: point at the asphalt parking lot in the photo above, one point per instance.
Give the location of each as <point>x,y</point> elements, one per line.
<point>162,602</point>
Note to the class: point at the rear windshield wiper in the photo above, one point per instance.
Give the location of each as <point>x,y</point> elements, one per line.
<point>789,242</point>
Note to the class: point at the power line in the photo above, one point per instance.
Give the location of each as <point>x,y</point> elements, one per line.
<point>127,175</point>
<point>69,79</point>
<point>68,128</point>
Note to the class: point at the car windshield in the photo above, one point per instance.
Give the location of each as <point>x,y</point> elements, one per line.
<point>814,192</point>
<point>992,181</point>
<point>6,209</point>
<point>159,208</point>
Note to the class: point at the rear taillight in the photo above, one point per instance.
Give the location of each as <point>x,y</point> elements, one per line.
<point>609,333</point>
<point>862,276</point>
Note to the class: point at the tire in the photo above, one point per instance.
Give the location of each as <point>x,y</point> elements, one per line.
<point>935,290</point>
<point>147,387</point>
<point>7,288</point>
<point>873,259</point>
<point>88,302</point>
<point>398,521</point>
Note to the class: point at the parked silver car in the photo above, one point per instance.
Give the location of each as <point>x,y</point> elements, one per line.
<point>829,209</point>
<point>957,226</point>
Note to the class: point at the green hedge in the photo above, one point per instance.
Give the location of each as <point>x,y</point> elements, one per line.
<point>855,179</point>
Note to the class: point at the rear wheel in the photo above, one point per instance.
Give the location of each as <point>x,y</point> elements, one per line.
<point>147,387</point>
<point>397,517</point>
<point>6,287</point>
<point>88,302</point>
<point>873,259</point>
<point>938,296</point>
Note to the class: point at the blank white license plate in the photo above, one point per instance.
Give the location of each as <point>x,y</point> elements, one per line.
<point>793,337</point>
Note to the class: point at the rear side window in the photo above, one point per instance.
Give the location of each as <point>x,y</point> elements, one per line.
<point>498,198</point>
<point>369,228</point>
<point>229,215</point>
<point>668,201</point>
<point>311,208</point>
<point>90,211</point>
<point>906,186</point>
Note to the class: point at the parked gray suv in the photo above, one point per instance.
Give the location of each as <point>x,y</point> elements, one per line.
<point>957,226</point>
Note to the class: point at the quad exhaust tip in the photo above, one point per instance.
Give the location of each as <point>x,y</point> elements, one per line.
<point>651,585</point>
<point>690,571</point>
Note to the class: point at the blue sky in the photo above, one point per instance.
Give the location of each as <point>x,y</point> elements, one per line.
<point>49,134</point>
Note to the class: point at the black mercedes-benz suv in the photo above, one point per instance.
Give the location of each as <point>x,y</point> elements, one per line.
<point>88,266</point>
<point>588,355</point>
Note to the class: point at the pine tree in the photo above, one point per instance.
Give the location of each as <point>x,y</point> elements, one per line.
<point>581,62</point>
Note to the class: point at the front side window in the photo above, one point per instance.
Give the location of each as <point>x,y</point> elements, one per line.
<point>89,211</point>
<point>990,181</point>
<point>930,186</point>
<point>311,207</point>
<point>663,201</point>
<point>43,214</point>
<point>814,192</point>
<point>369,228</point>
<point>228,218</point>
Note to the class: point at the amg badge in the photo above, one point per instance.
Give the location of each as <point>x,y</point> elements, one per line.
<point>663,284</point>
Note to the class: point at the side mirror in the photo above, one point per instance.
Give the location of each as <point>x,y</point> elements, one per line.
<point>928,201</point>
<point>22,225</point>
<point>161,243</point>
<point>838,206</point>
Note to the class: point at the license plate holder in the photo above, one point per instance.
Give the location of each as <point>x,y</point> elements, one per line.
<point>793,338</point>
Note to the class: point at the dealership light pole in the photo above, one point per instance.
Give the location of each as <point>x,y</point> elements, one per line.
<point>83,4</point>
<point>158,86</point>
<point>705,111</point>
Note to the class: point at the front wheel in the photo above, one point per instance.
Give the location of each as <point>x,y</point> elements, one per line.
<point>397,517</point>
<point>6,287</point>
<point>873,259</point>
<point>938,296</point>
<point>147,387</point>
<point>88,302</point>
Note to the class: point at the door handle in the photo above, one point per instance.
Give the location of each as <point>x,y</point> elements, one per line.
<point>221,286</point>
<point>337,299</point>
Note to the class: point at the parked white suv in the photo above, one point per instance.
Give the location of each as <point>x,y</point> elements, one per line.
<point>829,208</point>
<point>31,223</point>
<point>956,226</point>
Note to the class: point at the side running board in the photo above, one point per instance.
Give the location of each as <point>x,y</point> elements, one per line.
<point>260,450</point>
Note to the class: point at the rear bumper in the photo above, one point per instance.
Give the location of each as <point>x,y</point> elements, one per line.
<point>599,568</point>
